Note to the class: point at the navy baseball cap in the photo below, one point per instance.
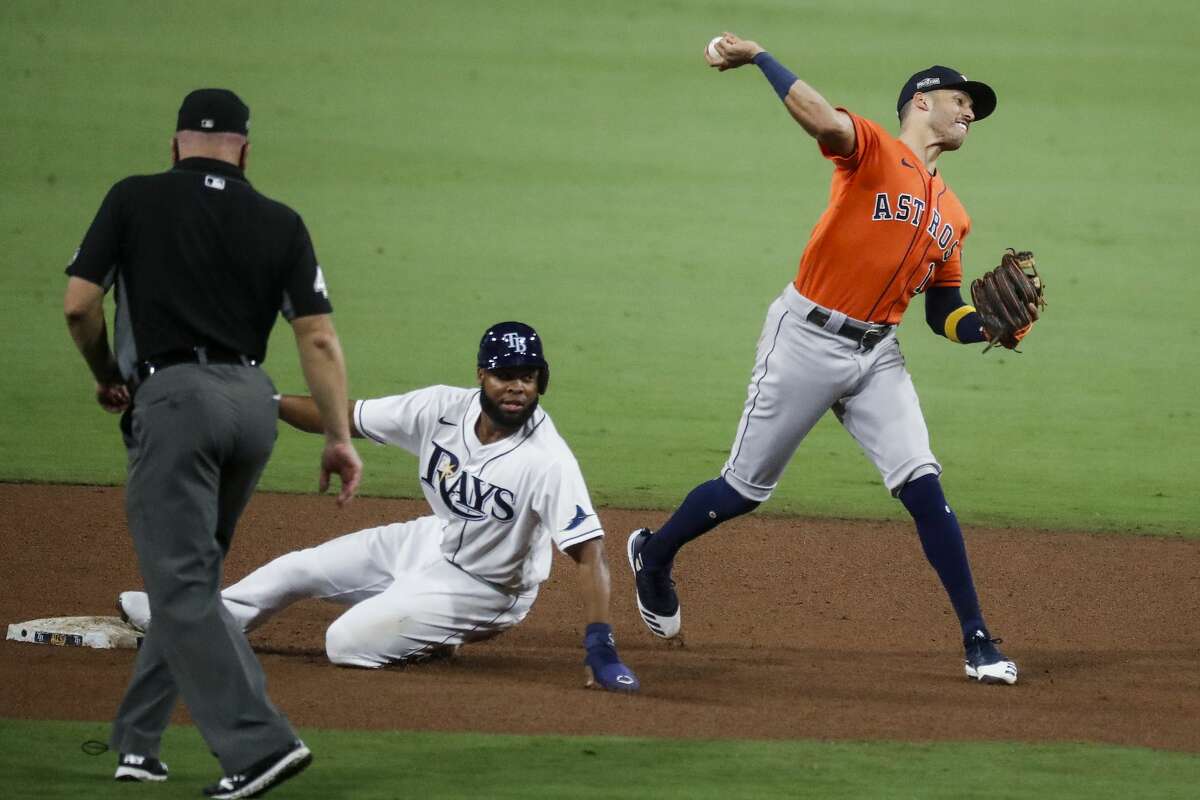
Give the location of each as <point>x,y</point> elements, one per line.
<point>983,99</point>
<point>214,111</point>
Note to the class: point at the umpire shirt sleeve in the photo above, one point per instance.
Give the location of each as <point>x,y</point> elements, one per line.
<point>97,257</point>
<point>304,290</point>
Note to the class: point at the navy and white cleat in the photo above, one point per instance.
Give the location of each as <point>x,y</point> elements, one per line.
<point>656,598</point>
<point>984,662</point>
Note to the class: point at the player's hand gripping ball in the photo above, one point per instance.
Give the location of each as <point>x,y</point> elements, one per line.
<point>603,665</point>
<point>1009,299</point>
<point>711,55</point>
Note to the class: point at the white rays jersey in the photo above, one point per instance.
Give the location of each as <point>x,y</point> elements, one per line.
<point>500,505</point>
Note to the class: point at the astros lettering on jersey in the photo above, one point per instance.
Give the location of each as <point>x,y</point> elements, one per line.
<point>500,503</point>
<point>891,231</point>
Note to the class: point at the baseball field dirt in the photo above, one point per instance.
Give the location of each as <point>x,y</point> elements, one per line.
<point>794,628</point>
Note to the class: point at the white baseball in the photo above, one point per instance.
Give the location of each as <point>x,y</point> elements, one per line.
<point>710,52</point>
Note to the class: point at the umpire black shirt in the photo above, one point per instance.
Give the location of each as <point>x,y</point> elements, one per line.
<point>198,258</point>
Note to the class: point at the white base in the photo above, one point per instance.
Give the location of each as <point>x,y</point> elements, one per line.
<point>104,633</point>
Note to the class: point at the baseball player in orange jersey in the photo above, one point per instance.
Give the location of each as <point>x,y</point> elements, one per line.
<point>893,230</point>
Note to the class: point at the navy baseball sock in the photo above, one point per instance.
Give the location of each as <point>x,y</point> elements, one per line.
<point>705,507</point>
<point>942,540</point>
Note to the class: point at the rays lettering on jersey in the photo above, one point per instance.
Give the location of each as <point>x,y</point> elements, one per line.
<point>906,208</point>
<point>464,494</point>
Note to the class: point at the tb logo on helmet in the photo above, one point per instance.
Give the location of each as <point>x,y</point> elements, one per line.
<point>515,342</point>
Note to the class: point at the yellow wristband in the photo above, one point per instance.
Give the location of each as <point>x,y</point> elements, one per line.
<point>952,320</point>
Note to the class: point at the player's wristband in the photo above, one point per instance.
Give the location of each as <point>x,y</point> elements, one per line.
<point>598,641</point>
<point>950,327</point>
<point>780,77</point>
<point>597,633</point>
<point>964,325</point>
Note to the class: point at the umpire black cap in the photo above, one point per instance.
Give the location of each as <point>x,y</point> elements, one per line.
<point>983,99</point>
<point>513,344</point>
<point>214,111</point>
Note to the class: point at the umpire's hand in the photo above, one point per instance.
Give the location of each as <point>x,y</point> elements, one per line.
<point>342,458</point>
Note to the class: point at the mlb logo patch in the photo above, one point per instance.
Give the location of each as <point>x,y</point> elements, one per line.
<point>214,182</point>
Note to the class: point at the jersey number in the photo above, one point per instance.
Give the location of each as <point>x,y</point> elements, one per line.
<point>925,281</point>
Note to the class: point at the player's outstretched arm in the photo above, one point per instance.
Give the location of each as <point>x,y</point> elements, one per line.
<point>595,586</point>
<point>832,128</point>
<point>301,412</point>
<point>603,665</point>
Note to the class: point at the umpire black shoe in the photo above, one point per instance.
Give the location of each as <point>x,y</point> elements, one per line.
<point>264,775</point>
<point>132,767</point>
<point>984,662</point>
<point>656,596</point>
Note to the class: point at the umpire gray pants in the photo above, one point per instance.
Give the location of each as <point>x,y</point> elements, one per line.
<point>198,441</point>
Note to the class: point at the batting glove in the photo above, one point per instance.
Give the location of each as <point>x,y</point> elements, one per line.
<point>605,670</point>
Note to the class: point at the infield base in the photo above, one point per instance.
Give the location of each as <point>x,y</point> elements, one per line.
<point>103,633</point>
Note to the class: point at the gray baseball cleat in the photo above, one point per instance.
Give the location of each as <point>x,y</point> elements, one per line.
<point>984,662</point>
<point>656,596</point>
<point>135,609</point>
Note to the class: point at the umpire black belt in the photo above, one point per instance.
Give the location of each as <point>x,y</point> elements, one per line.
<point>193,355</point>
<point>865,336</point>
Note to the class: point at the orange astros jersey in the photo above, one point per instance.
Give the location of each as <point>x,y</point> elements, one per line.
<point>891,231</point>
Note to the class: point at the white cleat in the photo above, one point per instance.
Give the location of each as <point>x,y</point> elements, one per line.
<point>135,609</point>
<point>1000,672</point>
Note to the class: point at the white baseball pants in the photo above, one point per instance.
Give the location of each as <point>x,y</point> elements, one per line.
<point>406,600</point>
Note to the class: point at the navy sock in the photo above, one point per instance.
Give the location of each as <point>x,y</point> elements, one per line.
<point>942,541</point>
<point>705,507</point>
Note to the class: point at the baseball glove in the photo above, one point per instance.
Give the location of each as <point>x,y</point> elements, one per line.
<point>1003,297</point>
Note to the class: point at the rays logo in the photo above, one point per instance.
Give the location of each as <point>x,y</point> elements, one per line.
<point>580,516</point>
<point>515,342</point>
<point>465,495</point>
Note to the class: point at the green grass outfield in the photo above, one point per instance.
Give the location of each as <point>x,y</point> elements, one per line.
<point>573,164</point>
<point>387,765</point>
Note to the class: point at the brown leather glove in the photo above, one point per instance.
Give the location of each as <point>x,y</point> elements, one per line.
<point>1009,299</point>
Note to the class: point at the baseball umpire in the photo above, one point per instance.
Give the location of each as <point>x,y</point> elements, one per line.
<point>503,486</point>
<point>201,264</point>
<point>893,230</point>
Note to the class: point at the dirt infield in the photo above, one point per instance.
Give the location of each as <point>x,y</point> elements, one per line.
<point>794,629</point>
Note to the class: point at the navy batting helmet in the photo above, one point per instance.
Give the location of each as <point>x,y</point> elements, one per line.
<point>514,344</point>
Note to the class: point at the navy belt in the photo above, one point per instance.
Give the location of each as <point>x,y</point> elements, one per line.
<point>865,336</point>
<point>193,355</point>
